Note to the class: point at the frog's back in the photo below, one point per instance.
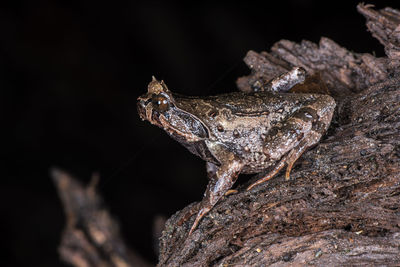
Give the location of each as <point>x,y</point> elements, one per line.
<point>244,104</point>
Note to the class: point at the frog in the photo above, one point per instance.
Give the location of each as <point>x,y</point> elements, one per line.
<point>257,132</point>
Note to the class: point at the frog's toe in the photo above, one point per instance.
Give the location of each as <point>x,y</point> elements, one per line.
<point>193,210</point>
<point>199,216</point>
<point>230,192</point>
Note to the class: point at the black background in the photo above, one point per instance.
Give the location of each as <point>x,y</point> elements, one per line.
<point>70,76</point>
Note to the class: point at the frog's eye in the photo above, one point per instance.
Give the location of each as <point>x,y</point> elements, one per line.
<point>160,103</point>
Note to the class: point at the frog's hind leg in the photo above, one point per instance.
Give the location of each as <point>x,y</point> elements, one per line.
<point>271,174</point>
<point>293,156</point>
<point>289,159</point>
<point>301,130</point>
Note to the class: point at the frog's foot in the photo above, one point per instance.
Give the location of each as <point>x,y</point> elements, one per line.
<point>216,188</point>
<point>293,156</point>
<point>193,210</point>
<point>200,215</point>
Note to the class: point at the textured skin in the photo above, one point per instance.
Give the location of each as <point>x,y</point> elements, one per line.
<point>240,132</point>
<point>243,122</point>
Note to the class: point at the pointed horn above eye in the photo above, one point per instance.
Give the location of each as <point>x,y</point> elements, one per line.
<point>155,87</point>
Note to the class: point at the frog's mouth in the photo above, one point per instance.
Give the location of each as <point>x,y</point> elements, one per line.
<point>147,112</point>
<point>144,109</point>
<point>174,120</point>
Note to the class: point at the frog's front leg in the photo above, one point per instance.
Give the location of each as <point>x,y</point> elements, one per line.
<point>225,176</point>
<point>211,170</point>
<point>301,130</point>
<point>284,82</point>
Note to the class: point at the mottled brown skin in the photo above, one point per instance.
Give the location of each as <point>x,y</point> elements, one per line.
<point>240,132</point>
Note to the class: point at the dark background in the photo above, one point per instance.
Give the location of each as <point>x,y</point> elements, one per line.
<point>70,76</point>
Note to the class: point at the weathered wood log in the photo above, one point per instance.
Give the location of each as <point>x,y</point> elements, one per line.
<point>342,204</point>
<point>91,236</point>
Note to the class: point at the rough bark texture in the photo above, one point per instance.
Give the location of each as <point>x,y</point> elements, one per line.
<point>91,237</point>
<point>341,206</point>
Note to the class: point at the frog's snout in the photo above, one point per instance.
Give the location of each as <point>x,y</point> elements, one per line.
<point>141,107</point>
<point>145,108</point>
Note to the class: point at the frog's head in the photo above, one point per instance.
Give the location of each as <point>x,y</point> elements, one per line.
<point>158,100</point>
<point>158,106</point>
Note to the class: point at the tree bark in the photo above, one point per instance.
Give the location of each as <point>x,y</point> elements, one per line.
<point>341,206</point>
<point>91,236</point>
